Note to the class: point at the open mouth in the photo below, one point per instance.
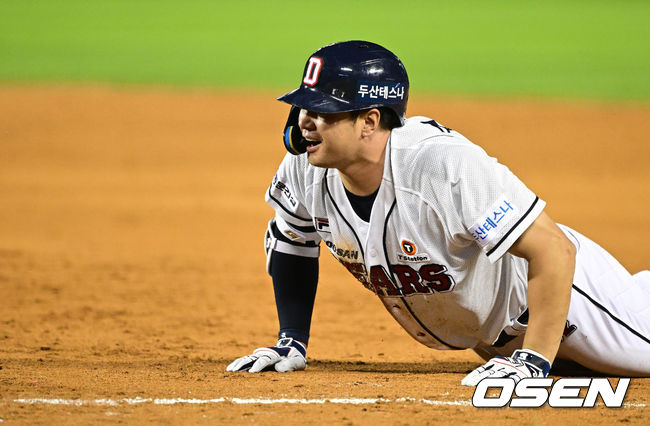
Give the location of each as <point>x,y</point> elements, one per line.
<point>311,142</point>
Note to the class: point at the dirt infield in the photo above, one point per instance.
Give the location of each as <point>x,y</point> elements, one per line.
<point>132,269</point>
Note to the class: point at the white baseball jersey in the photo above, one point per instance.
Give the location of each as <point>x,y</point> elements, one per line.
<point>435,251</point>
<point>435,248</point>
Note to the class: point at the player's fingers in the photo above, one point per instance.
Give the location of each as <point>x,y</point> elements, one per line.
<point>473,381</point>
<point>241,364</point>
<point>233,366</point>
<point>511,374</point>
<point>261,363</point>
<point>265,359</point>
<point>291,364</point>
<point>469,380</point>
<point>475,376</point>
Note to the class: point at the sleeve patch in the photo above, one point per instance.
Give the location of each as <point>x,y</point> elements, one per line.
<point>285,191</point>
<point>493,221</point>
<point>305,235</point>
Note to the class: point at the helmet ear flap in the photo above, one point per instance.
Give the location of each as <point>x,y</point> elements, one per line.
<point>292,135</point>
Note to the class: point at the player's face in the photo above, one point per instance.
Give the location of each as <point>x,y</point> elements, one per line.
<point>335,138</point>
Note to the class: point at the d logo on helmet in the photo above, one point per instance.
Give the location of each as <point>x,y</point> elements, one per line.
<point>313,70</point>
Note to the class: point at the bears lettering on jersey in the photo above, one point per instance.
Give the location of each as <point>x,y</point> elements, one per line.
<point>381,282</point>
<point>358,270</point>
<point>428,279</point>
<point>436,278</point>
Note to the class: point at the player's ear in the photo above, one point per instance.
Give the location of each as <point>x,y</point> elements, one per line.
<point>370,121</point>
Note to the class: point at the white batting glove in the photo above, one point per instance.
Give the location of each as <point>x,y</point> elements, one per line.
<point>522,363</point>
<point>286,355</point>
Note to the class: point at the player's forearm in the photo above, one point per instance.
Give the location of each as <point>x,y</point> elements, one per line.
<point>295,279</point>
<point>549,293</point>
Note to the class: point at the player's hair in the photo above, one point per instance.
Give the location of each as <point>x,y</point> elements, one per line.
<point>388,120</point>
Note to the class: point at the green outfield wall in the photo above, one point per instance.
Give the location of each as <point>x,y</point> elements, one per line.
<point>576,49</point>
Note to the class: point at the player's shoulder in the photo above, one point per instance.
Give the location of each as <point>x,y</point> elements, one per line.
<point>423,139</point>
<point>298,167</point>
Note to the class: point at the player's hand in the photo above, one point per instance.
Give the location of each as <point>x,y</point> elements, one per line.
<point>286,355</point>
<point>522,363</point>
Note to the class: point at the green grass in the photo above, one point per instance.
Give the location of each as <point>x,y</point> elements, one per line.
<point>578,49</point>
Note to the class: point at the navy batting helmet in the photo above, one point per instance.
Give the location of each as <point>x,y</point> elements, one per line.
<point>351,76</point>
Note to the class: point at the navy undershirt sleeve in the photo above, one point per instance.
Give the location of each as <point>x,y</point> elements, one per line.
<point>295,279</point>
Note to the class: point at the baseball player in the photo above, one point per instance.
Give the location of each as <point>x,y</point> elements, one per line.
<point>457,248</point>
